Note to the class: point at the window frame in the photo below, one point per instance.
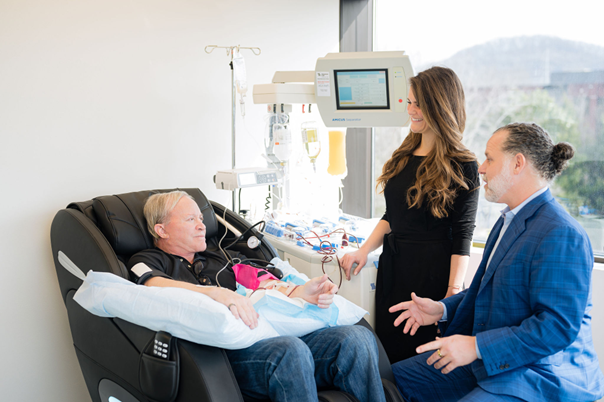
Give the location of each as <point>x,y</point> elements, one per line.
<point>356,35</point>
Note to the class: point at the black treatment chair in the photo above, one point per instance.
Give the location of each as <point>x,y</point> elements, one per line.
<point>115,355</point>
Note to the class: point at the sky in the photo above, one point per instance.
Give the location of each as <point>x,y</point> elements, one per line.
<point>433,30</point>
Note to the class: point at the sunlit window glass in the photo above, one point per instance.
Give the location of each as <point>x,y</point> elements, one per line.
<point>518,61</point>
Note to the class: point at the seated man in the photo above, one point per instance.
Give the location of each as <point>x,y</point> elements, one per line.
<point>522,330</point>
<point>282,368</point>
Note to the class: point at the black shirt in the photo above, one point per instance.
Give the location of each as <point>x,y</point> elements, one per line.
<point>419,223</point>
<point>206,265</point>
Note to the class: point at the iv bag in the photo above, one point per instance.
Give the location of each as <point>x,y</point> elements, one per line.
<point>240,78</point>
<point>282,140</point>
<point>240,73</point>
<point>337,154</point>
<point>310,139</point>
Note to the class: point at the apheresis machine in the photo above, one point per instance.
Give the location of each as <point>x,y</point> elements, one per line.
<point>360,89</point>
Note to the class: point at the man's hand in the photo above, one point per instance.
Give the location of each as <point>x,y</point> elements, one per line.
<point>451,352</point>
<point>240,306</point>
<point>418,312</point>
<point>319,291</point>
<point>359,257</point>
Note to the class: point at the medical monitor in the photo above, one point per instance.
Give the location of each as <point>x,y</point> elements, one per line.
<point>363,89</point>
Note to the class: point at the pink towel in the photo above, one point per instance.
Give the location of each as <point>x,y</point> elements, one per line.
<point>251,277</point>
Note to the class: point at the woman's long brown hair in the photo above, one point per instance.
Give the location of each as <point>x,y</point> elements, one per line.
<point>441,99</point>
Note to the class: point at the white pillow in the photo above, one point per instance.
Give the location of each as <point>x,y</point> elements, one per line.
<point>185,314</point>
<point>198,318</point>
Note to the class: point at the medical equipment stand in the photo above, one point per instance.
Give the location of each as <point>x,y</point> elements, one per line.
<point>230,52</point>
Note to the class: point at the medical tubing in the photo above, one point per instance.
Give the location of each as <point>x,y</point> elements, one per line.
<point>246,230</point>
<point>253,260</point>
<point>356,240</point>
<point>226,255</point>
<point>338,230</point>
<point>258,288</point>
<point>232,262</point>
<point>267,204</point>
<point>239,207</point>
<point>327,250</point>
<point>226,230</point>
<point>328,259</point>
<point>292,291</point>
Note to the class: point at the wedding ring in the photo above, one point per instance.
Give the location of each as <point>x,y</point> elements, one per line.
<point>231,305</point>
<point>439,355</point>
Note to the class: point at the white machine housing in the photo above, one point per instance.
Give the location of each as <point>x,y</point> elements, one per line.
<point>363,89</point>
<point>354,89</point>
<point>288,87</point>
<point>247,177</point>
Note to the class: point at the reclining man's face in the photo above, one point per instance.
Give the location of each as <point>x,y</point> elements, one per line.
<point>185,229</point>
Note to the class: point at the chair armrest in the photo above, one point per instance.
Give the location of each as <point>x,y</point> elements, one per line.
<point>205,371</point>
<point>391,391</point>
<point>205,374</point>
<point>336,396</point>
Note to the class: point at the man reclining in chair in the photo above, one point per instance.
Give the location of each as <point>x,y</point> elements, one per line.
<point>283,368</point>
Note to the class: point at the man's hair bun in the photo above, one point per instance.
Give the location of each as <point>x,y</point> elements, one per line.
<point>561,154</point>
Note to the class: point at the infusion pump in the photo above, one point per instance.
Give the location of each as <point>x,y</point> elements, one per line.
<point>354,89</point>
<point>247,177</point>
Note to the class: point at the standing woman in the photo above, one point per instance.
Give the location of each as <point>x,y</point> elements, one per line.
<point>431,187</point>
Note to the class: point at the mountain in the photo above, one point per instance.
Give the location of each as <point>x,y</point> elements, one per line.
<point>522,61</point>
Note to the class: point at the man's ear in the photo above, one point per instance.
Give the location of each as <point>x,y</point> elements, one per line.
<point>161,232</point>
<point>520,163</point>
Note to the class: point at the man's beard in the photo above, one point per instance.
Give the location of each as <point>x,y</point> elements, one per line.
<point>499,185</point>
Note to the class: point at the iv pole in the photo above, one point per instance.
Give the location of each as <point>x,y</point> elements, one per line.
<point>229,51</point>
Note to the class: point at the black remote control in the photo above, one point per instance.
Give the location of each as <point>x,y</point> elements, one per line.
<point>275,271</point>
<point>161,345</point>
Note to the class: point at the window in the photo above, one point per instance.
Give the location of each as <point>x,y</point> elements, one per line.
<point>518,61</point>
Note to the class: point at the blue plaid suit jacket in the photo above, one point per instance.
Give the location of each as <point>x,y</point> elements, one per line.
<point>531,311</point>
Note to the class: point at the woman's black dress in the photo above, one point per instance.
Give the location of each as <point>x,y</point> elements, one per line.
<point>416,255</point>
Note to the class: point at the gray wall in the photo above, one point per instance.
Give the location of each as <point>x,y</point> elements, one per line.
<point>598,312</point>
<point>103,97</point>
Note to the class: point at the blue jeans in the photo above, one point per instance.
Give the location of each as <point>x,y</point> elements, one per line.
<point>291,369</point>
<point>419,382</point>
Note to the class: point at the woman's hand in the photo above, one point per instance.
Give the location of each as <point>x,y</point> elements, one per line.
<point>319,291</point>
<point>241,307</point>
<point>359,256</point>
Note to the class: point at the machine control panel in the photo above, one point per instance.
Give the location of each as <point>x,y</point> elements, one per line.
<point>248,177</point>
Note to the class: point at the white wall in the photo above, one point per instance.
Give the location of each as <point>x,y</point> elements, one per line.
<point>103,97</point>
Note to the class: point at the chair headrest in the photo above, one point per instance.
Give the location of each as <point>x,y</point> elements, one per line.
<point>121,220</point>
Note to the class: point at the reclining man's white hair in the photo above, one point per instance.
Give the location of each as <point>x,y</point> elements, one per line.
<point>158,207</point>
